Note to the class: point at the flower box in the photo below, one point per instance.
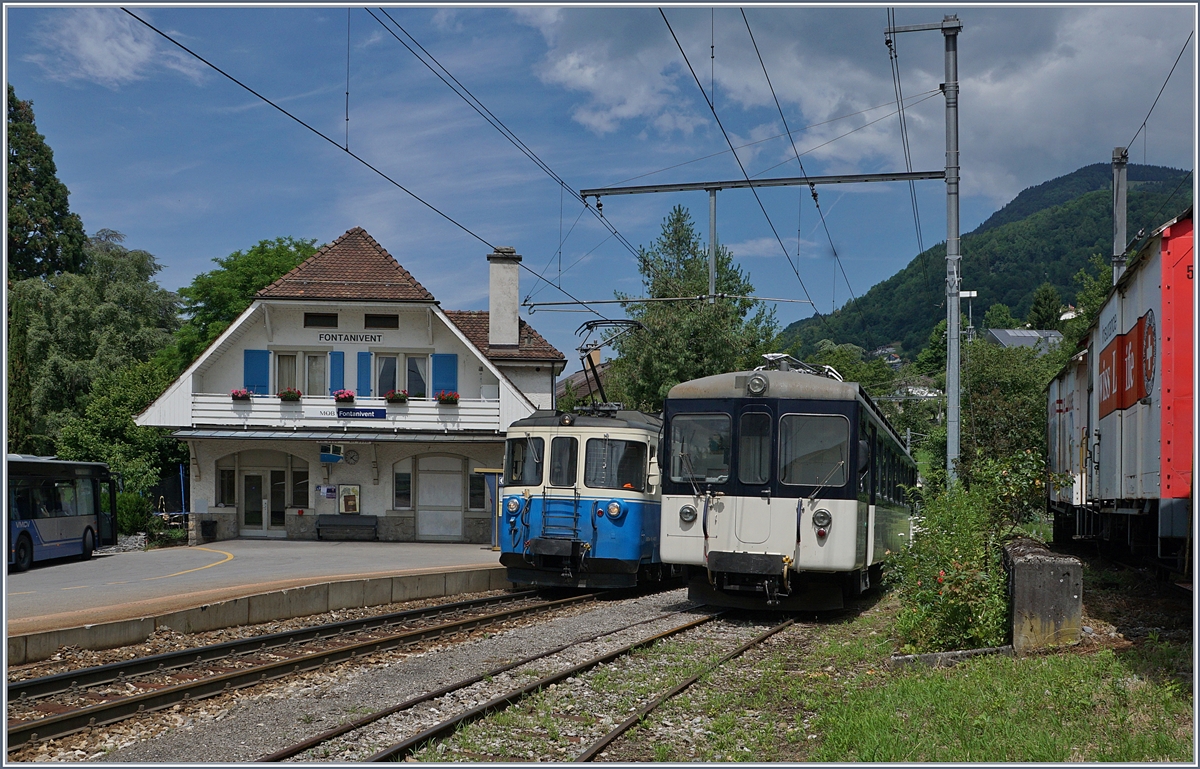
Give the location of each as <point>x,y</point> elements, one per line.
<point>446,398</point>
<point>343,396</point>
<point>290,394</point>
<point>240,394</point>
<point>396,396</point>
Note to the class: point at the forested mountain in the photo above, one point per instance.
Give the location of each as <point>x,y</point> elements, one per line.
<point>1046,234</point>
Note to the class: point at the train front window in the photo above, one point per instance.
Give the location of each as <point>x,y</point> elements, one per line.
<point>754,448</point>
<point>523,462</point>
<point>564,457</point>
<point>700,448</point>
<point>814,449</point>
<point>611,464</point>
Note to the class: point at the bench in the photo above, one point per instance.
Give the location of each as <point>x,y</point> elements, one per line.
<point>347,527</point>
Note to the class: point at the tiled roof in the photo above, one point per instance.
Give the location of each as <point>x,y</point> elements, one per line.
<point>474,324</point>
<point>353,267</point>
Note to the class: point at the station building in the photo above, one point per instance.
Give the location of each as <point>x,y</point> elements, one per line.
<point>350,318</point>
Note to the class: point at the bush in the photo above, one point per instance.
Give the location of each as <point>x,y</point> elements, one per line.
<point>133,513</point>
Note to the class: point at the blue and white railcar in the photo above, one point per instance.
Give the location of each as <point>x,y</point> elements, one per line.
<point>781,488</point>
<point>581,499</point>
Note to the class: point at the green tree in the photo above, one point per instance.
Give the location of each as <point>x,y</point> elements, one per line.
<point>72,328</point>
<point>1000,316</point>
<point>215,299</point>
<point>688,339</point>
<point>1046,311</point>
<point>1094,287</point>
<point>105,432</point>
<point>44,237</point>
<point>931,361</point>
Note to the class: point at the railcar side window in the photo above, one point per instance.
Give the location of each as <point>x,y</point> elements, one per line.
<point>814,449</point>
<point>700,448</point>
<point>754,448</point>
<point>523,462</point>
<point>564,458</point>
<point>612,464</point>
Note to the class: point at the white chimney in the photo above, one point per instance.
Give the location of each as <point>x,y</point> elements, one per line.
<point>503,297</point>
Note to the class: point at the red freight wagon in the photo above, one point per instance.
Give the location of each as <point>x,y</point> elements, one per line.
<point>1120,412</point>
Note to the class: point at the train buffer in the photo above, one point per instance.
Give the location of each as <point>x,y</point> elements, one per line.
<point>342,526</point>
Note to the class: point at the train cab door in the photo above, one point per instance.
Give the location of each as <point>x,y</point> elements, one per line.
<point>752,519</point>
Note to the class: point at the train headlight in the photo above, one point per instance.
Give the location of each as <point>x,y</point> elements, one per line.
<point>822,520</point>
<point>757,385</point>
<point>614,509</point>
<point>687,513</point>
<point>513,505</point>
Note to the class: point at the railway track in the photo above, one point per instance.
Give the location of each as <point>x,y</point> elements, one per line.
<point>447,727</point>
<point>192,675</point>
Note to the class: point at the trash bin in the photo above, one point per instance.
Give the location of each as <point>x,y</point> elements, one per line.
<point>208,530</point>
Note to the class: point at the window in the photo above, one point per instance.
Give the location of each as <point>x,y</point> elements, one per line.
<point>476,492</point>
<point>612,464</point>
<point>700,448</point>
<point>754,448</point>
<point>226,487</point>
<point>814,449</point>
<point>299,483</point>
<point>386,366</point>
<point>316,374</point>
<point>285,372</point>
<point>564,458</point>
<point>402,478</point>
<point>381,321</point>
<point>415,381</point>
<point>320,320</point>
<point>523,461</point>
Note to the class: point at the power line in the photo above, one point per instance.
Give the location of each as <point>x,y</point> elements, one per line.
<point>739,162</point>
<point>1142,127</point>
<point>893,56</point>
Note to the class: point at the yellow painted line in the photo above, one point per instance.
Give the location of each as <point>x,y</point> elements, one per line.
<point>77,587</point>
<point>116,583</point>
<point>27,592</point>
<point>228,557</point>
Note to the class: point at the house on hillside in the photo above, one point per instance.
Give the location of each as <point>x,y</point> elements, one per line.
<point>268,463</point>
<point>1024,337</point>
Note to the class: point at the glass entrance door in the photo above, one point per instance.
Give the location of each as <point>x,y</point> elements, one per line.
<point>278,498</point>
<point>252,502</point>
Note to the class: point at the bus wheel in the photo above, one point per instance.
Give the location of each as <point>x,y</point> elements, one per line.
<point>89,544</point>
<point>23,555</point>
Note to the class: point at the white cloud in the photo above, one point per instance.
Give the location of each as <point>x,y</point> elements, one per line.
<point>105,46</point>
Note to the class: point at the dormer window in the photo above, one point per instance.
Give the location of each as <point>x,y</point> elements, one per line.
<point>320,320</point>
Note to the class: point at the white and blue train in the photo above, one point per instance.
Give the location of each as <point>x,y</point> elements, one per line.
<point>781,488</point>
<point>581,499</point>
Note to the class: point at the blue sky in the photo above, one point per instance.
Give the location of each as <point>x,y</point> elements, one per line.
<point>190,167</point>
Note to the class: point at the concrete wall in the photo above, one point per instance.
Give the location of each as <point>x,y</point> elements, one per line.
<point>267,607</point>
<point>1046,591</point>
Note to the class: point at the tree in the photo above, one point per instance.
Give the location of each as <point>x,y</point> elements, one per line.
<point>688,339</point>
<point>1000,316</point>
<point>44,237</point>
<point>216,298</point>
<point>106,432</point>
<point>70,329</point>
<point>1046,311</point>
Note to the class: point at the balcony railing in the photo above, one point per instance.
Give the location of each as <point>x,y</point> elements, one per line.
<point>363,414</point>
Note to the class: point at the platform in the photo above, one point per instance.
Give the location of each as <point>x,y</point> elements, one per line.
<point>118,599</point>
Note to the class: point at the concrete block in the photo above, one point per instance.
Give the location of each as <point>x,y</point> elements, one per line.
<point>415,586</point>
<point>16,650</point>
<point>475,581</point>
<point>41,646</point>
<point>213,616</point>
<point>499,579</point>
<point>285,604</point>
<point>1046,591</point>
<point>377,592</point>
<point>346,595</point>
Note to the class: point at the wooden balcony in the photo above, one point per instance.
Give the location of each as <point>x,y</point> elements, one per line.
<point>316,413</point>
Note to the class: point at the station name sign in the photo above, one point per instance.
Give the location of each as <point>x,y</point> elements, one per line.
<point>329,337</point>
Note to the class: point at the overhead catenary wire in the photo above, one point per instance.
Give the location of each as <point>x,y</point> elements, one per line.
<point>739,162</point>
<point>358,158</point>
<point>1142,127</point>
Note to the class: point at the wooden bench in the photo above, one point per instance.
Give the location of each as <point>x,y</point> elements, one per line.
<point>347,527</point>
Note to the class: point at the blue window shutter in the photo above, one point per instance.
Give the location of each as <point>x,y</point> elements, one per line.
<point>444,375</point>
<point>364,374</point>
<point>337,371</point>
<point>256,371</point>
